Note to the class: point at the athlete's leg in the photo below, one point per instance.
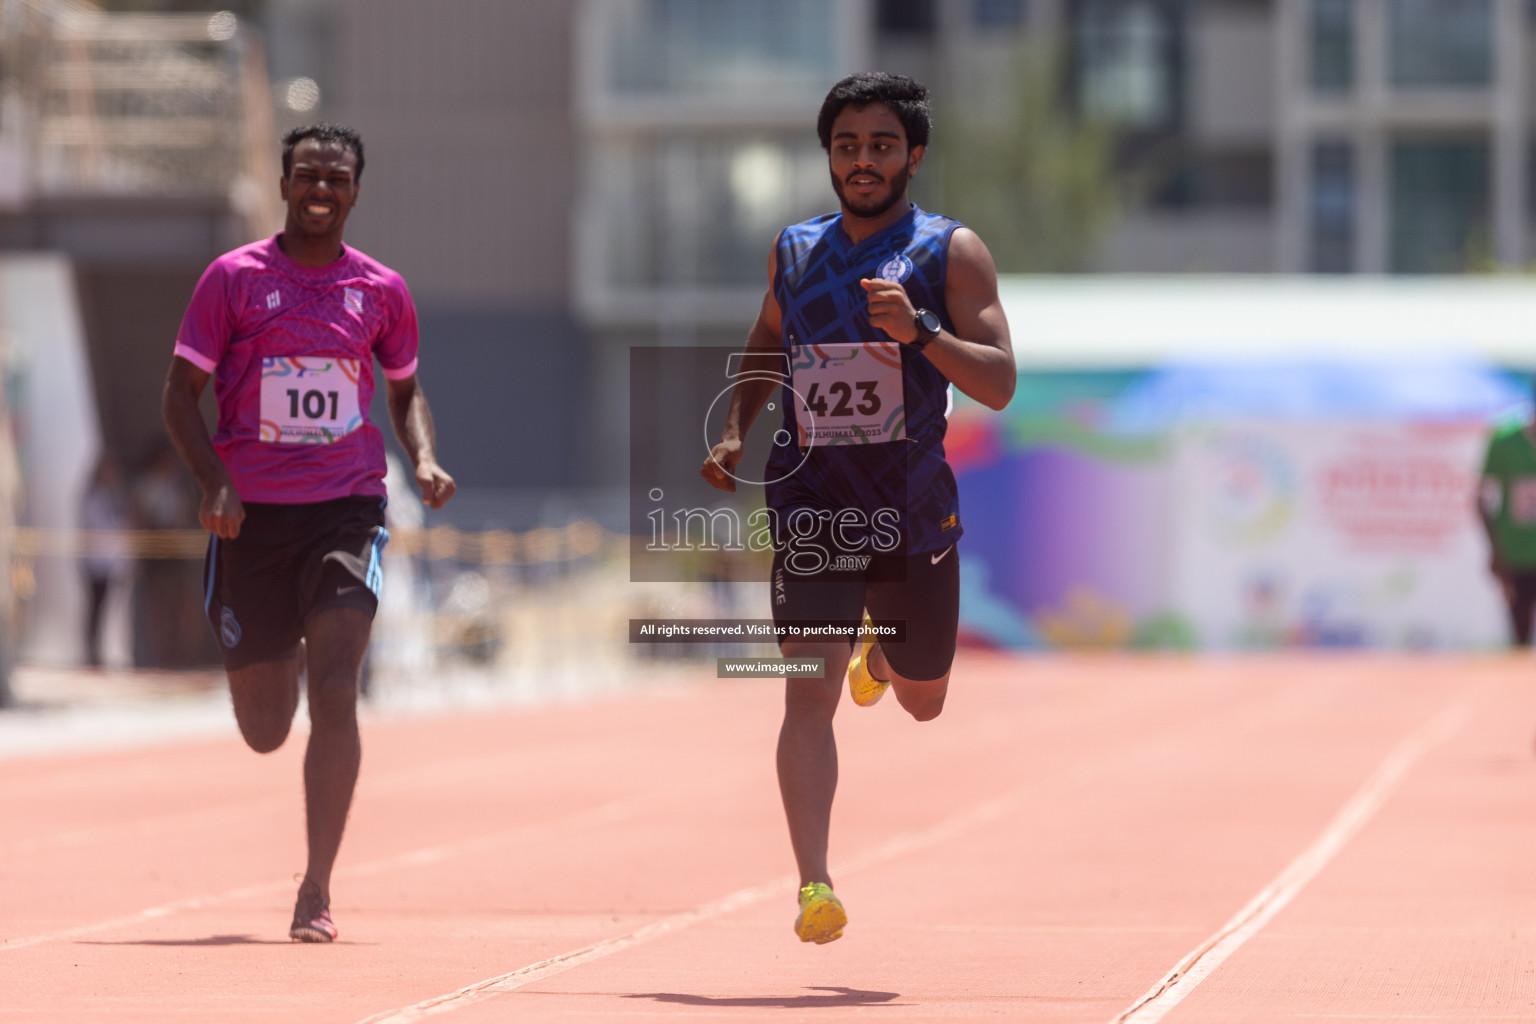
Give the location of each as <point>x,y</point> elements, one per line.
<point>335,639</point>
<point>807,755</point>
<point>926,600</point>
<point>265,696</point>
<point>248,597</point>
<point>922,698</point>
<point>1522,607</point>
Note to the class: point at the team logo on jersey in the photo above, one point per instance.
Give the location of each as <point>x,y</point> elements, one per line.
<point>353,299</point>
<point>898,268</point>
<point>274,299</point>
<point>229,629</point>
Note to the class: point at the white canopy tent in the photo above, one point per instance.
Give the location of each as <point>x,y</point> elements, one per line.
<point>1090,321</point>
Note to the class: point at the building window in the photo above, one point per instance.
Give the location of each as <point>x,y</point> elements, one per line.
<point>1128,61</point>
<point>989,15</point>
<point>719,46</point>
<point>1331,31</point>
<point>1333,208</point>
<point>906,17</point>
<point>1237,179</point>
<point>1440,43</point>
<point>691,209</point>
<point>1440,205</point>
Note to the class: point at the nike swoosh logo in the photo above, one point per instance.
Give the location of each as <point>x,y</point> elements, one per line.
<point>936,559</point>
<point>346,590</point>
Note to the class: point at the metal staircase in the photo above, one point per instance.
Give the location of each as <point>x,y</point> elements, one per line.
<point>96,104</point>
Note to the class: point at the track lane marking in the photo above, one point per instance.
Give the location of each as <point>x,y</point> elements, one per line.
<point>604,814</point>
<point>1205,958</point>
<point>982,814</point>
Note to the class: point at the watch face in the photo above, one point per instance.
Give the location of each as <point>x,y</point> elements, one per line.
<point>928,320</point>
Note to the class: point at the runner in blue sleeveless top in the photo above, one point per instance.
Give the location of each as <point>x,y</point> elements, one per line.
<point>874,312</point>
<point>897,462</point>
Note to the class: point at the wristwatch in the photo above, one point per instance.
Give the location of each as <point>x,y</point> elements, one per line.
<point>928,328</point>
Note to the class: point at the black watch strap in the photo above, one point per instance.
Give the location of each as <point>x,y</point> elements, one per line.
<point>928,328</point>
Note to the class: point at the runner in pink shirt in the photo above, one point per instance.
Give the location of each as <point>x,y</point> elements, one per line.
<point>293,479</point>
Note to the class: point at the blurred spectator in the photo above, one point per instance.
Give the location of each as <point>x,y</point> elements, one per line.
<point>169,630</point>
<point>1507,506</point>
<point>103,515</point>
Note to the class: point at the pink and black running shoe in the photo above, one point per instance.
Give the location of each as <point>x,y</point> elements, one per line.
<point>311,916</point>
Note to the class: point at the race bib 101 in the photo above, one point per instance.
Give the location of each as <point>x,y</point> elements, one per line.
<point>309,399</point>
<point>849,394</point>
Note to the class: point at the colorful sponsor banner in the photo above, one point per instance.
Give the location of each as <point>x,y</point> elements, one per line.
<point>1066,535</point>
<point>1239,535</point>
<point>1332,534</point>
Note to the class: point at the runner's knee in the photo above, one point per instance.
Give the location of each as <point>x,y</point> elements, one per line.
<point>923,709</point>
<point>336,639</point>
<point>332,700</point>
<point>263,735</point>
<point>265,697</point>
<point>924,701</point>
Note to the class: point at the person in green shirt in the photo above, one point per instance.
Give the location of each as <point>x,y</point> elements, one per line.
<point>1507,507</point>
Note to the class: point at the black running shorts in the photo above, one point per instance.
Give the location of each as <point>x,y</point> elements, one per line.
<point>921,592</point>
<point>289,562</point>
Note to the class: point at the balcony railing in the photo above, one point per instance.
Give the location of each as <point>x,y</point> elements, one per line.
<point>94,104</point>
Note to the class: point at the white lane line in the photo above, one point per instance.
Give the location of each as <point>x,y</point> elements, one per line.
<point>981,814</point>
<point>603,814</point>
<point>482,990</point>
<point>1213,952</point>
<point>147,914</point>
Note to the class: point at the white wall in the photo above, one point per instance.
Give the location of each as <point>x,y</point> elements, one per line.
<point>58,439</point>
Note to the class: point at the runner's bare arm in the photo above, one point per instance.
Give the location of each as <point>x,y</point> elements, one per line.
<point>412,417</point>
<point>221,511</point>
<point>750,395</point>
<point>978,356</point>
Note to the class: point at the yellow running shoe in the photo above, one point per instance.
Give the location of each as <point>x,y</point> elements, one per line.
<point>821,914</point>
<point>864,688</point>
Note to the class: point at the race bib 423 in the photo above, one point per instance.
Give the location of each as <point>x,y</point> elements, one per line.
<point>309,399</point>
<point>849,394</point>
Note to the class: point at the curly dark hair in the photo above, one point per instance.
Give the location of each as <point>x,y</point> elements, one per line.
<point>339,133</point>
<point>907,99</point>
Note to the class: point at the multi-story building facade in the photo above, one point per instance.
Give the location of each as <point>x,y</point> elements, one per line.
<point>1326,136</point>
<point>1267,135</point>
<point>561,180</point>
<point>1402,141</point>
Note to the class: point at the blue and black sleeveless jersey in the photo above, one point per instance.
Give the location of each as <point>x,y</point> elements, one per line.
<point>818,291</point>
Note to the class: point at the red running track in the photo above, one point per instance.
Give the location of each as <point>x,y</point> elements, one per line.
<point>1348,838</point>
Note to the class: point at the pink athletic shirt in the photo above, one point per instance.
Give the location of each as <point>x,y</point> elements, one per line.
<point>291,351</point>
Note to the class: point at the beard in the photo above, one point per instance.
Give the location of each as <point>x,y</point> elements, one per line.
<point>877,204</point>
